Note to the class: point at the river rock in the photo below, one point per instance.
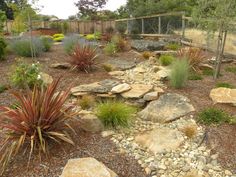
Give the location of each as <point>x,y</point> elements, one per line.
<point>86,167</point>
<point>137,91</point>
<point>168,107</point>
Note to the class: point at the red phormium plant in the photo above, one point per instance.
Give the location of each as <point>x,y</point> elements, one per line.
<point>195,56</point>
<point>39,119</point>
<point>83,57</point>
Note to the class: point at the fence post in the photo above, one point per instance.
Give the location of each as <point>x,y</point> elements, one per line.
<point>143,28</point>
<point>159,24</point>
<point>183,25</point>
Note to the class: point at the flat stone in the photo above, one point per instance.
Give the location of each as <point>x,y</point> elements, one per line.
<point>108,95</point>
<point>223,95</point>
<point>86,167</point>
<point>147,45</point>
<point>137,91</point>
<point>60,65</point>
<point>160,140</point>
<point>121,88</point>
<point>121,64</point>
<point>139,70</point>
<point>90,123</point>
<point>163,74</point>
<point>168,107</point>
<point>117,73</point>
<point>151,96</point>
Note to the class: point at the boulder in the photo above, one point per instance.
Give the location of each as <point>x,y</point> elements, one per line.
<point>60,65</point>
<point>86,167</point>
<point>223,95</point>
<point>147,45</point>
<point>121,88</point>
<point>167,108</point>
<point>137,91</point>
<point>90,123</point>
<point>160,140</point>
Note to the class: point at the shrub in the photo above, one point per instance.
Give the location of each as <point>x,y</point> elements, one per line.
<point>35,124</point>
<point>110,49</point>
<point>194,76</point>
<point>107,67</point>
<point>83,57</point>
<point>208,72</point>
<point>231,69</point>
<point>92,37</point>
<point>146,54</point>
<point>195,56</point>
<point>64,27</point>
<point>166,60</point>
<point>119,42</point>
<point>26,75</point>
<point>70,42</point>
<point>3,46</point>
<point>190,131</point>
<point>213,116</point>
<point>58,37</point>
<point>179,73</point>
<point>173,46</point>
<point>86,102</point>
<point>224,84</point>
<point>3,88</point>
<point>47,43</point>
<point>22,47</point>
<point>114,114</point>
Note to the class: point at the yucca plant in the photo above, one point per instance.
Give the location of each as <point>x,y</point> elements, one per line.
<point>40,119</point>
<point>83,57</point>
<point>195,56</point>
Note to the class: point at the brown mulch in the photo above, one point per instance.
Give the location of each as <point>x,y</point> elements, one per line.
<point>87,145</point>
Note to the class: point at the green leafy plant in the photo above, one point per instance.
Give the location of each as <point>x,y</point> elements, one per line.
<point>92,37</point>
<point>110,49</point>
<point>213,116</point>
<point>64,27</point>
<point>86,102</point>
<point>39,120</point>
<point>71,41</point>
<point>166,60</point>
<point>114,114</point>
<point>26,75</point>
<point>83,57</point>
<point>119,42</point>
<point>173,46</point>
<point>22,47</point>
<point>231,69</point>
<point>47,43</point>
<point>3,46</point>
<point>224,84</point>
<point>58,37</point>
<point>179,73</point>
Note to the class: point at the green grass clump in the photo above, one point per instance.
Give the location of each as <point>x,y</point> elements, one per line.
<point>166,60</point>
<point>114,114</point>
<point>110,49</point>
<point>208,72</point>
<point>224,84</point>
<point>173,46</point>
<point>2,88</point>
<point>231,69</point>
<point>179,73</point>
<point>194,76</point>
<point>47,43</point>
<point>71,41</point>
<point>86,102</point>
<point>213,116</point>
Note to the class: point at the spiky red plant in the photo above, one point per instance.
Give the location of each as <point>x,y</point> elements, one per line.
<point>39,119</point>
<point>83,57</point>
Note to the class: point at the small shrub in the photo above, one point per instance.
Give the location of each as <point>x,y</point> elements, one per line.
<point>190,131</point>
<point>22,47</point>
<point>26,75</point>
<point>208,72</point>
<point>107,67</point>
<point>179,73</point>
<point>110,49</point>
<point>147,54</point>
<point>83,57</point>
<point>231,69</point>
<point>195,56</point>
<point>47,43</point>
<point>92,37</point>
<point>224,84</point>
<point>213,116</point>
<point>86,102</point>
<point>64,27</point>
<point>119,42</point>
<point>173,46</point>
<point>114,114</point>
<point>39,121</point>
<point>58,37</point>
<point>194,76</point>
<point>3,47</point>
<point>166,60</point>
<point>3,88</point>
<point>70,42</point>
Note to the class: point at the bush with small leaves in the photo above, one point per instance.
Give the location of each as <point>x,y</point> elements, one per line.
<point>71,41</point>
<point>58,37</point>
<point>110,49</point>
<point>114,114</point>
<point>213,116</point>
<point>179,73</point>
<point>166,60</point>
<point>47,42</point>
<point>119,42</point>
<point>173,46</point>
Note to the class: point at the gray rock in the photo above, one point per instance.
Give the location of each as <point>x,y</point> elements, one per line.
<point>168,107</point>
<point>121,64</point>
<point>147,45</point>
<point>90,123</point>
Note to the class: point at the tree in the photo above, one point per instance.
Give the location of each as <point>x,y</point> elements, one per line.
<point>88,8</point>
<point>7,10</point>
<point>2,20</point>
<point>213,16</point>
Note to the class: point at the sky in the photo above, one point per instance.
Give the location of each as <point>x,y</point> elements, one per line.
<point>64,8</point>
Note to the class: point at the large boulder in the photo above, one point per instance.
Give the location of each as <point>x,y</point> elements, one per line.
<point>90,123</point>
<point>223,95</point>
<point>168,107</point>
<point>137,91</point>
<point>160,140</point>
<point>147,45</point>
<point>86,167</point>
